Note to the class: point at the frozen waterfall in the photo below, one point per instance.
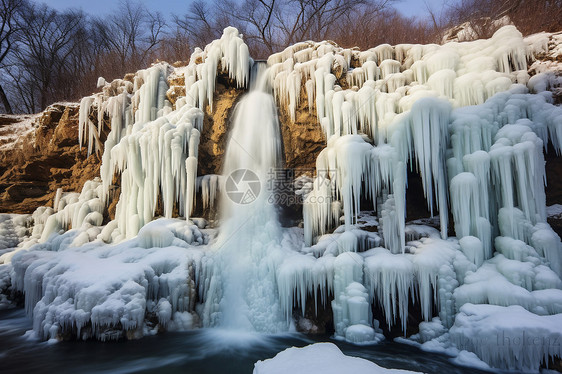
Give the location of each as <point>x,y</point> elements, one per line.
<point>468,119</point>
<point>242,294</point>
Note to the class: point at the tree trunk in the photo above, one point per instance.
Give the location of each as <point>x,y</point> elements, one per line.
<point>5,101</point>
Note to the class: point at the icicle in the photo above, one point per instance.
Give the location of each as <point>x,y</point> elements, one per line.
<point>391,278</point>
<point>429,126</point>
<point>465,203</point>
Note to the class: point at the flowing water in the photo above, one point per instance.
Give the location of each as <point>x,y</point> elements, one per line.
<point>243,293</point>
<point>201,351</point>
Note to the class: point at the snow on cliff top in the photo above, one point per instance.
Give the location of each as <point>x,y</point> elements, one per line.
<point>13,128</point>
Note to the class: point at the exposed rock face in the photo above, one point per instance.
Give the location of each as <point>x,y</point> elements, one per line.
<point>216,124</point>
<point>177,88</point>
<point>49,158</point>
<point>303,139</point>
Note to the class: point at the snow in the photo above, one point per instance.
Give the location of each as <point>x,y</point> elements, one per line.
<point>465,358</point>
<point>508,281</point>
<point>473,249</point>
<point>508,337</point>
<point>106,291</point>
<point>13,133</point>
<point>554,211</point>
<point>323,358</point>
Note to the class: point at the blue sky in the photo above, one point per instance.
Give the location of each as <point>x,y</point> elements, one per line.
<point>105,6</point>
<point>407,7</point>
<point>412,8</point>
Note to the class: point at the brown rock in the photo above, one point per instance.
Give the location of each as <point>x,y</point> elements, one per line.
<point>49,159</point>
<point>129,77</point>
<point>176,80</point>
<point>215,127</point>
<point>174,92</point>
<point>303,139</point>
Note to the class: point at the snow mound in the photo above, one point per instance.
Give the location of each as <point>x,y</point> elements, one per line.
<point>508,337</point>
<point>321,358</point>
<point>554,211</point>
<point>111,292</point>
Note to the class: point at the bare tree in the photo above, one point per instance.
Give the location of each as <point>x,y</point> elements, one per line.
<point>255,18</point>
<point>377,23</point>
<point>44,55</point>
<point>8,28</point>
<point>131,34</point>
<point>271,25</point>
<point>483,16</point>
<point>312,19</point>
<point>202,23</point>
<point>174,47</point>
<point>531,16</point>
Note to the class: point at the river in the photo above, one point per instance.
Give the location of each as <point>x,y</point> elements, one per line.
<point>198,351</point>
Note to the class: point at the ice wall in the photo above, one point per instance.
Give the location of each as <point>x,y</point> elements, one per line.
<point>389,108</point>
<point>461,116</point>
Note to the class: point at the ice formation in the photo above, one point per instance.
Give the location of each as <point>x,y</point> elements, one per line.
<point>106,291</point>
<point>408,121</point>
<point>13,229</point>
<point>496,333</point>
<point>467,117</point>
<point>153,147</point>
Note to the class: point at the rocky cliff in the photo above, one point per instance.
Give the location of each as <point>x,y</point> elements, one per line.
<point>44,159</point>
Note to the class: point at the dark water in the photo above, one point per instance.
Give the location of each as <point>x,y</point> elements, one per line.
<point>200,351</point>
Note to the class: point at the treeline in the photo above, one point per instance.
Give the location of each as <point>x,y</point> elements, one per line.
<point>48,55</point>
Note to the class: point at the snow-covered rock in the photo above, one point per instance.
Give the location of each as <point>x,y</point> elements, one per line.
<point>321,358</point>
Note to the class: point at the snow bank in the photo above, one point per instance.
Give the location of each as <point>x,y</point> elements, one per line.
<point>508,337</point>
<point>109,291</point>
<point>322,358</point>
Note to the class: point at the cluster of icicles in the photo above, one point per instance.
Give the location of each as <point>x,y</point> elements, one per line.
<point>395,112</point>
<point>388,108</point>
<point>153,146</point>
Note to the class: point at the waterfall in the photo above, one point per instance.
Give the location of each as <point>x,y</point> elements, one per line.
<point>243,293</point>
